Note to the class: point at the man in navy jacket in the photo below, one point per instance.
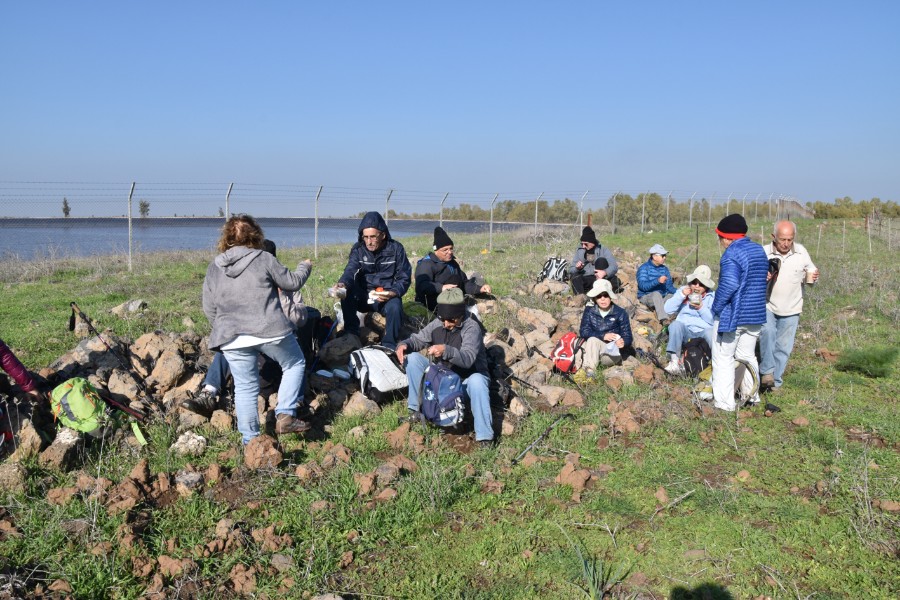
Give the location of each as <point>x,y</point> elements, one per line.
<point>377,275</point>
<point>739,308</point>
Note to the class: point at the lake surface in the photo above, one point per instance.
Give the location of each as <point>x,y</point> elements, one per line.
<point>44,238</point>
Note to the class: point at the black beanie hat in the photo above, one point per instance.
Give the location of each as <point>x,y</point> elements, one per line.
<point>441,238</point>
<point>732,227</point>
<point>588,235</point>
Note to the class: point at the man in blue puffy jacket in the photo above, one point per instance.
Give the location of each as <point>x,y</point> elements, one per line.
<point>655,282</point>
<point>739,307</point>
<point>377,275</point>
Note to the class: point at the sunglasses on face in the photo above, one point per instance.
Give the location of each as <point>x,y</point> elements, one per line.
<point>603,295</point>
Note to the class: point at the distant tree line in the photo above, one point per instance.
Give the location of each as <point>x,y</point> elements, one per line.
<point>624,209</point>
<point>846,208</point>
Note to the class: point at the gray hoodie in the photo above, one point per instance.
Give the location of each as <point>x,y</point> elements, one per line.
<point>240,295</point>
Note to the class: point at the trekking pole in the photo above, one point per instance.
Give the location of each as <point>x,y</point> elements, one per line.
<point>541,437</point>
<point>142,385</point>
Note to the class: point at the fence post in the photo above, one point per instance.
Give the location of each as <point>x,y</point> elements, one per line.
<point>668,200</point>
<point>227,200</point>
<point>770,205</point>
<point>844,239</point>
<point>316,224</point>
<point>709,216</point>
<point>691,210</point>
<point>536,203</point>
<point>889,234</point>
<point>756,208</point>
<point>819,242</point>
<point>643,211</point>
<point>581,210</point>
<point>697,247</point>
<point>744,205</point>
<point>442,208</point>
<point>614,212</point>
<point>491,234</point>
<point>130,196</point>
<point>386,202</point>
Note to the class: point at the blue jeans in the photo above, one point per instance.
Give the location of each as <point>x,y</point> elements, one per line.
<point>776,343</point>
<point>478,396</point>
<point>358,300</point>
<point>218,372</point>
<point>245,371</point>
<point>679,334</point>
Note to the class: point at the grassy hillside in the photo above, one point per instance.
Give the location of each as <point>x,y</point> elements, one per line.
<point>795,505</point>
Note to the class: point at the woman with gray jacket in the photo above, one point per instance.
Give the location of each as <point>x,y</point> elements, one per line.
<point>241,301</point>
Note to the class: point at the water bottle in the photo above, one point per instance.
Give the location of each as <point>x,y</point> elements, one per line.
<point>429,393</point>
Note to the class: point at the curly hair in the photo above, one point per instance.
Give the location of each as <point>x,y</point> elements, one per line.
<point>240,230</point>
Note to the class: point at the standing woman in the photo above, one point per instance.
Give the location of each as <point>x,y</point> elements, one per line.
<point>240,299</point>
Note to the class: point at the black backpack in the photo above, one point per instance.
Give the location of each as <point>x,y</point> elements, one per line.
<point>695,356</point>
<point>555,268</point>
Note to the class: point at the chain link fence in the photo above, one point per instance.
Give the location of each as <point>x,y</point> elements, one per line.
<point>68,218</point>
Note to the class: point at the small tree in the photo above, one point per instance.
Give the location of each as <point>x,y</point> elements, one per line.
<point>144,208</point>
<point>221,212</point>
<point>66,208</point>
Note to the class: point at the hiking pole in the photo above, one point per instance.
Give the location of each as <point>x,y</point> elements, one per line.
<point>142,385</point>
<point>541,437</point>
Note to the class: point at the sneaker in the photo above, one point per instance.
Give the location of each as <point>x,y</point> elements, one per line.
<point>285,423</point>
<point>767,381</point>
<point>204,403</point>
<point>414,416</point>
<point>673,368</point>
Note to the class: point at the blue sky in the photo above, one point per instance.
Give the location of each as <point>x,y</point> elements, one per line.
<point>799,98</point>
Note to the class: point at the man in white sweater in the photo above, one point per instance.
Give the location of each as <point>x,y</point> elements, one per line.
<point>785,301</point>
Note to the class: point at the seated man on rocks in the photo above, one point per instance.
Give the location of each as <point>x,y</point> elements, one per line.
<point>692,305</point>
<point>605,329</point>
<point>454,337</point>
<point>592,262</point>
<point>439,271</point>
<point>377,275</point>
<point>654,282</point>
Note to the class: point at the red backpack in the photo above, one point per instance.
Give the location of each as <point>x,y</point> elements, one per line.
<point>563,355</point>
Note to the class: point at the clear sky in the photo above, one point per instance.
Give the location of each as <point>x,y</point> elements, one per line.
<point>793,97</point>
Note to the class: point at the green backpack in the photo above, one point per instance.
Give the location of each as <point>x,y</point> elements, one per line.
<point>76,404</point>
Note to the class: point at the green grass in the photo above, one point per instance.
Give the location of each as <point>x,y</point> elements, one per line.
<point>804,522</point>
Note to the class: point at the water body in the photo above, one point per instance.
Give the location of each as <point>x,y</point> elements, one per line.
<point>42,238</point>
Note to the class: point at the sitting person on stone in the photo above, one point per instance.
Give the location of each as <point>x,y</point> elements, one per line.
<point>692,307</point>
<point>19,373</point>
<point>376,277</point>
<point>654,282</point>
<point>592,262</point>
<point>206,400</point>
<point>605,329</point>
<point>439,271</point>
<point>456,338</point>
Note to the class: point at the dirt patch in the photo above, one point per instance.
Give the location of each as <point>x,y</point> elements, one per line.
<point>231,492</point>
<point>463,444</point>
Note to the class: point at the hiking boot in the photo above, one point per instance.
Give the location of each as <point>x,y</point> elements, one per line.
<point>485,444</point>
<point>673,368</point>
<point>286,423</point>
<point>204,403</point>
<point>767,381</point>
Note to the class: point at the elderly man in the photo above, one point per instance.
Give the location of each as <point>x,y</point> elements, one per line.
<point>453,336</point>
<point>739,307</point>
<point>438,272</point>
<point>692,305</point>
<point>592,262</point>
<point>655,282</point>
<point>375,278</point>
<point>785,304</point>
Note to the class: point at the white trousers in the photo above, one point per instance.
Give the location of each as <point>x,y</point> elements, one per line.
<point>727,347</point>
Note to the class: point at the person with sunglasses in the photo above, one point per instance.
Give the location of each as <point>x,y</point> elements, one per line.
<point>692,307</point>
<point>605,329</point>
<point>456,338</point>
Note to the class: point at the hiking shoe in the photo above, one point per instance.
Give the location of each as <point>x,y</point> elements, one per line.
<point>285,423</point>
<point>485,444</point>
<point>414,416</point>
<point>204,403</point>
<point>673,368</point>
<point>767,381</point>
<point>583,376</point>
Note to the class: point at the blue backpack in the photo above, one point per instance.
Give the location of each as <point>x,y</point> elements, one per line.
<point>442,396</point>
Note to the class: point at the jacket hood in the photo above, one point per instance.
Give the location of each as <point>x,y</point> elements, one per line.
<point>235,260</point>
<point>373,219</point>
